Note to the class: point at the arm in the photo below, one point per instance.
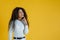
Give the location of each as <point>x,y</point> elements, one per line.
<point>25,29</point>
<point>24,21</point>
<point>10,32</point>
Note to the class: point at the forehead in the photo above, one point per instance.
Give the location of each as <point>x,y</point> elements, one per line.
<point>20,10</point>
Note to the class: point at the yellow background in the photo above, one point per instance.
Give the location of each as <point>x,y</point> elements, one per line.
<point>44,18</point>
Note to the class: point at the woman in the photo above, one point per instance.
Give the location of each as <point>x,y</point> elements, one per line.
<point>18,24</point>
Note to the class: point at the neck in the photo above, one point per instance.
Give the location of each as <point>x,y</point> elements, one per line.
<point>19,19</point>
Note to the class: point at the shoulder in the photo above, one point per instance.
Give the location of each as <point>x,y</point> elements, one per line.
<point>17,22</point>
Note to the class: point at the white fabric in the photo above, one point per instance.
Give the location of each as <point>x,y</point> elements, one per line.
<point>20,30</point>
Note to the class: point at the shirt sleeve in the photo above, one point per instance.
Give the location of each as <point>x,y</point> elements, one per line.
<point>10,32</point>
<point>25,29</point>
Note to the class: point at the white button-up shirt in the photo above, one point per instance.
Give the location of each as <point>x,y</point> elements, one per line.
<point>20,29</point>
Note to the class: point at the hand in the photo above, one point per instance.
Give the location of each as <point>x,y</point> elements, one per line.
<point>24,21</point>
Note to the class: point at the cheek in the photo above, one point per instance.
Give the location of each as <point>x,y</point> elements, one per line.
<point>20,14</point>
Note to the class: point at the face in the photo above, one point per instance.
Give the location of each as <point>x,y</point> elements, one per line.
<point>20,13</point>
